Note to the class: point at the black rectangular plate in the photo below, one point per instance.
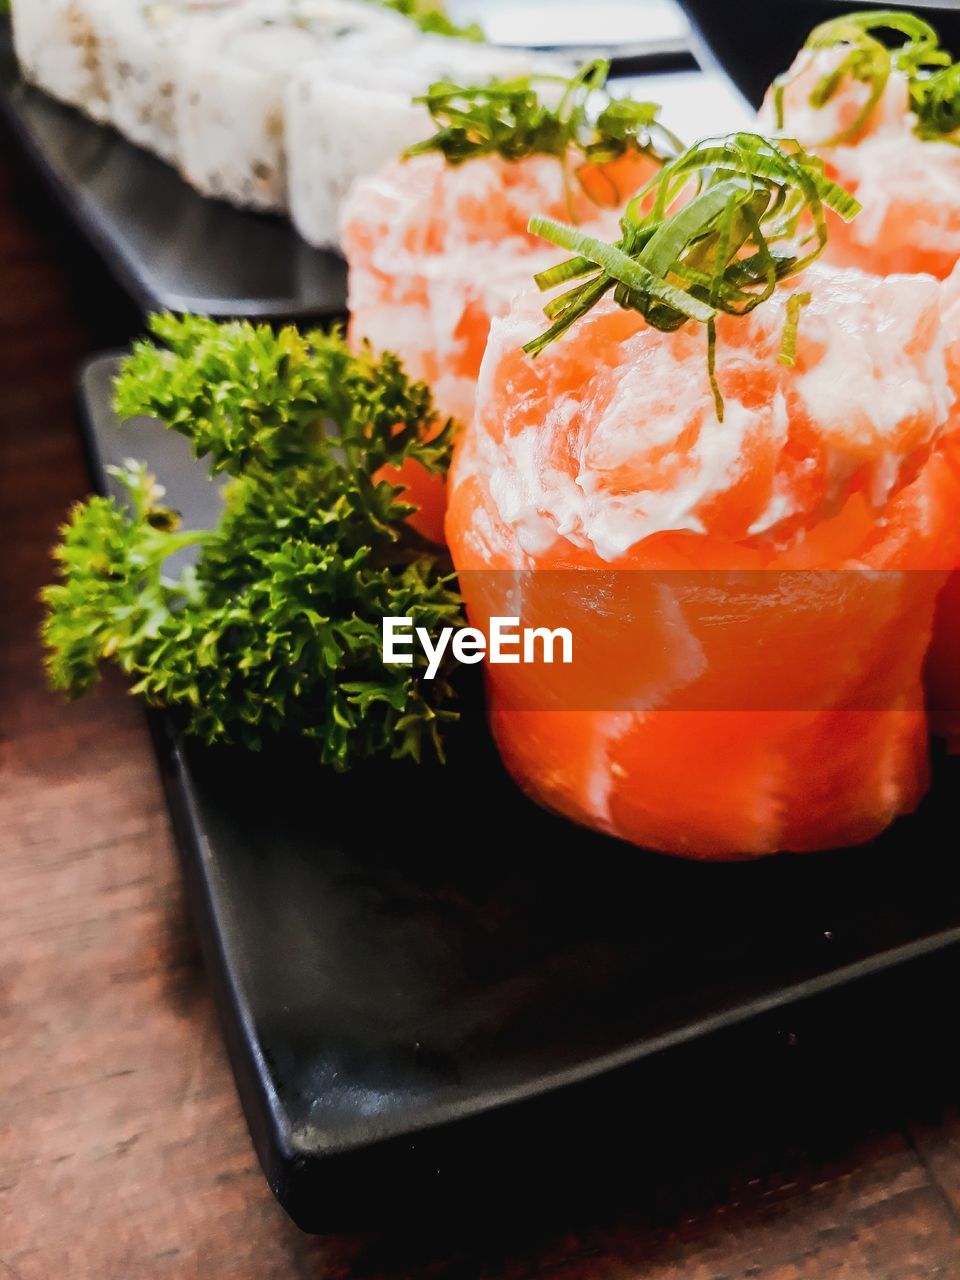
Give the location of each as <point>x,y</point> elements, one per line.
<point>402,948</point>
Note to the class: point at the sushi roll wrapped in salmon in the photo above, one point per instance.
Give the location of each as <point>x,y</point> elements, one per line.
<point>745,533</point>
<point>886,120</point>
<point>437,242</point>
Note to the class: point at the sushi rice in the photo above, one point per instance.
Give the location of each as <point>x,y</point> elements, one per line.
<point>139,54</point>
<point>233,74</point>
<point>58,46</point>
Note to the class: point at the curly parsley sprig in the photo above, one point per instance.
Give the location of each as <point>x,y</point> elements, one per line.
<point>515,119</point>
<point>277,628</point>
<point>690,254</point>
<point>932,75</point>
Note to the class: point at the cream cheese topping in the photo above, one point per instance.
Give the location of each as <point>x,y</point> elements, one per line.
<point>651,456</point>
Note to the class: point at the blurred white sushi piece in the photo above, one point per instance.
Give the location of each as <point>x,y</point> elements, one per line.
<point>139,48</point>
<point>58,47</point>
<point>233,71</point>
<point>346,118</point>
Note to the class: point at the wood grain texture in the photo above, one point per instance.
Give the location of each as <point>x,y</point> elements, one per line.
<point>123,1153</point>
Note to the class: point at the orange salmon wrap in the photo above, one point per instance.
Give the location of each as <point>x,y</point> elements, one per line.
<point>909,187</point>
<point>910,190</point>
<point>758,593</point>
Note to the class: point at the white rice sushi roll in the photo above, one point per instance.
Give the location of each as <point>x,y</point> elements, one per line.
<point>376,102</point>
<point>232,75</point>
<point>58,47</point>
<point>140,42</point>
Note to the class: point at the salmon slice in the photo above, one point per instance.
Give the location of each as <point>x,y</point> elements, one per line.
<point>436,251</point>
<point>909,187</point>
<point>757,595</point>
<point>910,192</point>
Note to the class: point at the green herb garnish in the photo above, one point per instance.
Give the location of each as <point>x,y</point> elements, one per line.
<point>277,628</point>
<point>511,118</point>
<point>935,98</point>
<point>931,74</point>
<point>788,345</point>
<point>431,17</point>
<point>714,231</point>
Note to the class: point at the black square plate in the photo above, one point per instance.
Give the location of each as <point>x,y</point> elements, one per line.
<point>400,949</point>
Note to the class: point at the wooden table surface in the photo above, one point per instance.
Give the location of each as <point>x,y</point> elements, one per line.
<point>123,1153</point>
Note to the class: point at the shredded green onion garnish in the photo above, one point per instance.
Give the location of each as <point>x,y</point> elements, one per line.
<point>931,73</point>
<point>714,231</point>
<point>788,345</point>
<point>510,118</point>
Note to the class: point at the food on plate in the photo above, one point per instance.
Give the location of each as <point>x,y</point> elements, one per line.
<point>437,243</point>
<point>727,519</point>
<point>887,121</point>
<point>709,447</point>
<point>277,629</point>
<point>375,99</point>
